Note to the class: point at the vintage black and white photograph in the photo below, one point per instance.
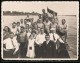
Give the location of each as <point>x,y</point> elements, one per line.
<point>39,30</point>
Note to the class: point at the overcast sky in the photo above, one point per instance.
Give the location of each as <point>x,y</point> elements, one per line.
<point>62,8</point>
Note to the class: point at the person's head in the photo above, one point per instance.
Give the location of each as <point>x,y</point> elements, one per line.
<point>51,31</point>
<point>13,25</point>
<point>39,30</point>
<point>39,16</point>
<point>63,21</point>
<point>22,29</point>
<point>27,26</point>
<point>11,35</point>
<point>27,15</point>
<point>47,19</point>
<point>40,20</point>
<point>42,30</point>
<point>53,20</point>
<point>18,23</point>
<point>33,33</point>
<point>43,10</point>
<point>21,20</point>
<point>7,29</point>
<point>47,37</point>
<point>25,21</point>
<point>31,36</point>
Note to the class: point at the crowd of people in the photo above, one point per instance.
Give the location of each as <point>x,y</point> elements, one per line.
<point>40,39</point>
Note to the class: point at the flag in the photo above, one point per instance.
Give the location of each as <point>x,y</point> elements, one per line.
<point>51,13</point>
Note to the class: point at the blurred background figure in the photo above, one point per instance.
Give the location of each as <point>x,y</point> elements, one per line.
<point>18,27</point>
<point>44,15</point>
<point>14,28</point>
<point>6,32</point>
<point>22,22</point>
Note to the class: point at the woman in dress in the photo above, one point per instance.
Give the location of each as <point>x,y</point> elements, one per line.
<point>31,49</point>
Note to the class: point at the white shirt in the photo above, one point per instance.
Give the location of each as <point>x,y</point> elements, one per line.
<point>51,36</point>
<point>31,43</point>
<point>40,38</point>
<point>56,36</point>
<point>11,45</point>
<point>28,34</point>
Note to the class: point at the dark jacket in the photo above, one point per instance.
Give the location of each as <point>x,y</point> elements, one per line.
<point>49,50</point>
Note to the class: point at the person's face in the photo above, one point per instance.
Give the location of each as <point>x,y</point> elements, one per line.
<point>4,32</point>
<point>47,38</point>
<point>18,24</point>
<point>53,20</point>
<point>21,21</point>
<point>11,36</point>
<point>40,21</point>
<point>27,30</point>
<point>43,11</point>
<point>22,29</point>
<point>14,25</point>
<point>27,26</point>
<point>34,34</point>
<point>25,21</point>
<point>51,31</point>
<point>6,29</point>
<point>39,30</point>
<point>42,31</point>
<point>63,21</point>
<point>46,19</point>
<point>31,37</point>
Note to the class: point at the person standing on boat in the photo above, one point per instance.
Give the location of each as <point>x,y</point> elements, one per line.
<point>53,26</point>
<point>31,48</point>
<point>22,22</point>
<point>11,47</point>
<point>6,32</point>
<point>48,48</point>
<point>39,41</point>
<point>44,15</point>
<point>23,40</point>
<point>47,24</point>
<point>64,28</point>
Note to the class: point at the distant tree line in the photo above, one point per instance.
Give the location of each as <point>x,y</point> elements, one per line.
<point>19,13</point>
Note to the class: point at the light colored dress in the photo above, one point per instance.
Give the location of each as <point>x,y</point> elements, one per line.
<point>31,49</point>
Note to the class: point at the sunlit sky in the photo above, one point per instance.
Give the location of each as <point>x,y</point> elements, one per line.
<point>62,8</point>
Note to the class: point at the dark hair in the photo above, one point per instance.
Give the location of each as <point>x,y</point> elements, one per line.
<point>63,20</point>
<point>22,27</point>
<point>43,10</point>
<point>47,35</point>
<point>18,22</point>
<point>33,32</point>
<point>9,30</point>
<point>13,23</point>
